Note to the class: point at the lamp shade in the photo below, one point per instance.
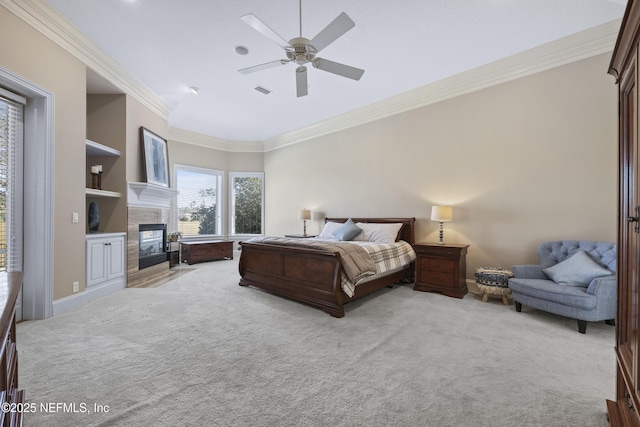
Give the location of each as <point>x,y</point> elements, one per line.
<point>304,214</point>
<point>441,213</point>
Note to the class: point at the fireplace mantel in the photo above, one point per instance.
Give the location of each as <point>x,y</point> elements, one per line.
<point>143,194</point>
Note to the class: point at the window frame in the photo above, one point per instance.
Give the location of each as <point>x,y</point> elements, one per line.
<point>232,176</point>
<point>14,233</point>
<point>220,199</point>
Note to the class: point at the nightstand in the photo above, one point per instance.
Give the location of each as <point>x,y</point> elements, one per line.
<point>441,268</point>
<point>300,236</point>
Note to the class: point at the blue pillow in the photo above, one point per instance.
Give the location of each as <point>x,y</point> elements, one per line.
<point>577,270</point>
<point>347,231</point>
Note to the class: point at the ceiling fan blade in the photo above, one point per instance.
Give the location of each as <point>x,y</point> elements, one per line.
<point>331,32</point>
<point>264,66</point>
<point>301,81</point>
<point>265,30</point>
<point>338,68</point>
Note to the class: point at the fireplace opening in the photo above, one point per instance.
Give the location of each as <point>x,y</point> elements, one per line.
<point>152,244</point>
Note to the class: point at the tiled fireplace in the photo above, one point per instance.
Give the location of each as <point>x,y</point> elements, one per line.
<point>148,204</point>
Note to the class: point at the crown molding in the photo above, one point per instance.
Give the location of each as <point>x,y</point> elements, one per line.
<point>582,45</point>
<point>52,25</point>
<point>588,43</point>
<point>194,138</point>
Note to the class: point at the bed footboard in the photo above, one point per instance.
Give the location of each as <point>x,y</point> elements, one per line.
<point>305,275</point>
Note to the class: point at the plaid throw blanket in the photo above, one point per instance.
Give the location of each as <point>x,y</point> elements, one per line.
<point>386,257</point>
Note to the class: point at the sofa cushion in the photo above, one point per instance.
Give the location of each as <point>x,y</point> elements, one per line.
<point>574,296</point>
<point>577,270</point>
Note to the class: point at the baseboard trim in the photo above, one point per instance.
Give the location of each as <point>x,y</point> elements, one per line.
<point>91,293</point>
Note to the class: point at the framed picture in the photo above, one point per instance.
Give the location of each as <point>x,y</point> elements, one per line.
<point>154,157</point>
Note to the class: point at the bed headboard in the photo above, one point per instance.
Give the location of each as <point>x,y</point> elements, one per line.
<point>406,232</point>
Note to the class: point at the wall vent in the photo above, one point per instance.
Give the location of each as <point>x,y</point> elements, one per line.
<point>263,90</point>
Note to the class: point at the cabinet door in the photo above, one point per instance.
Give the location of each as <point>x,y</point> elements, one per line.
<point>629,246</point>
<point>115,257</point>
<point>96,261</point>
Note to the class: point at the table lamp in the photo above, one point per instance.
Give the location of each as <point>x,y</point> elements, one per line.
<point>304,215</point>
<point>441,214</point>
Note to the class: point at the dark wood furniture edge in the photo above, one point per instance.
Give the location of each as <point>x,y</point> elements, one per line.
<point>455,290</point>
<point>197,251</point>
<point>9,352</point>
<point>277,273</point>
<point>626,38</point>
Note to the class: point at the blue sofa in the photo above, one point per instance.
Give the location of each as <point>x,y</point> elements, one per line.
<point>575,278</point>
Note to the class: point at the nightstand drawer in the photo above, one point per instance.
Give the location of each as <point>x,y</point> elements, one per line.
<point>441,279</point>
<point>441,268</point>
<point>437,264</point>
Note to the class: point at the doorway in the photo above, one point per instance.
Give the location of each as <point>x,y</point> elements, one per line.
<point>37,264</point>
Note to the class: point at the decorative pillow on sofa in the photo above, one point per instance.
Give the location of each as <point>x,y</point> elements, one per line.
<point>347,231</point>
<point>577,270</point>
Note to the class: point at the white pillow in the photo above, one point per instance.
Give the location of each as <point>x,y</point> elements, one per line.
<point>577,270</point>
<point>378,233</point>
<point>327,231</point>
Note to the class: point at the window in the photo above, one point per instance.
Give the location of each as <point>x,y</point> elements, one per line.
<point>11,147</point>
<point>199,206</point>
<point>247,202</point>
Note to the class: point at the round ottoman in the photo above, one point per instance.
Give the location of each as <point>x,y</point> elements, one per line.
<point>494,281</point>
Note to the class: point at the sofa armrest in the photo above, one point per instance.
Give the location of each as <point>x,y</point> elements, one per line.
<point>603,286</point>
<point>529,272</point>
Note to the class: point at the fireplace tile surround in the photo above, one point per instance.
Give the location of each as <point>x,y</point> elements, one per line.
<point>136,216</point>
<point>146,204</point>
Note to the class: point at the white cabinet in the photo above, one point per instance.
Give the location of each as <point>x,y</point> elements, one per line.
<point>106,259</point>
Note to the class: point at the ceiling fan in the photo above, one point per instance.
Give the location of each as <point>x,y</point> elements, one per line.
<point>301,51</point>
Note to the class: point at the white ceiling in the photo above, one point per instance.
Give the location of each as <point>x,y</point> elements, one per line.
<point>170,45</point>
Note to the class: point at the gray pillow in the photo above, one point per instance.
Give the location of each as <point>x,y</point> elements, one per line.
<point>347,231</point>
<point>577,270</point>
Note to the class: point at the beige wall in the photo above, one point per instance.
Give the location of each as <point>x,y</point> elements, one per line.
<point>47,65</point>
<point>42,62</point>
<point>139,115</point>
<point>194,155</point>
<point>522,162</point>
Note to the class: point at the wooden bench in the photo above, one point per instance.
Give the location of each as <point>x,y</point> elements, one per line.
<point>206,250</point>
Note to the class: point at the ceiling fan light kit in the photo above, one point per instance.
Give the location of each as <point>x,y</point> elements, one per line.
<point>302,51</point>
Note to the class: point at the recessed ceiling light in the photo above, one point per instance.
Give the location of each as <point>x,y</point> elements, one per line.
<point>241,50</point>
<point>194,90</point>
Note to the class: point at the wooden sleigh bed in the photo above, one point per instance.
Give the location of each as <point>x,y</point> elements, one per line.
<point>314,276</point>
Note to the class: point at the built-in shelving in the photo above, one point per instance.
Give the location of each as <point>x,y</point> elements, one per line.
<point>97,149</point>
<point>101,193</point>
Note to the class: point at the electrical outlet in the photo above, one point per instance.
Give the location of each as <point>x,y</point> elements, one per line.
<point>76,286</point>
<point>75,217</point>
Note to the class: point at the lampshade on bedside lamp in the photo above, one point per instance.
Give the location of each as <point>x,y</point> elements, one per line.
<point>304,215</point>
<point>441,214</point>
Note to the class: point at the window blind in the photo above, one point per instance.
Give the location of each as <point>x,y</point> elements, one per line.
<point>11,183</point>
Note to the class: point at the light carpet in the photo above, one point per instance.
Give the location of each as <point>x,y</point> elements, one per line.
<point>203,351</point>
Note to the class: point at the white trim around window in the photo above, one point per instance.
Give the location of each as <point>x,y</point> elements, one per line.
<point>220,197</point>
<point>232,202</point>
